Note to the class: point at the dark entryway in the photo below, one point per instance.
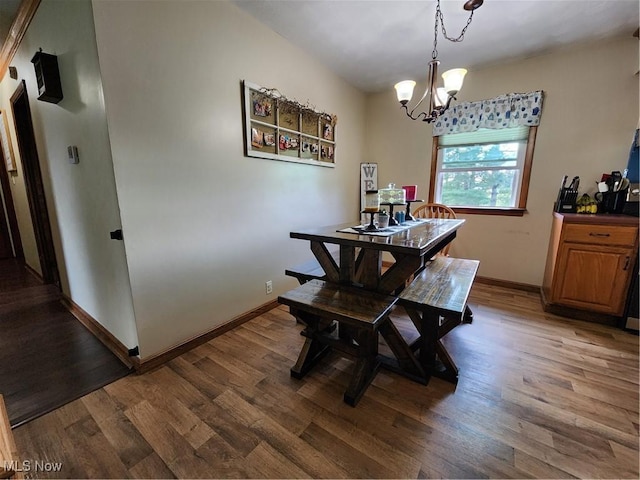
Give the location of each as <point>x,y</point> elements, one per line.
<point>34,185</point>
<point>47,357</point>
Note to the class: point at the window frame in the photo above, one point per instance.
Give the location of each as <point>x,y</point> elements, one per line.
<point>521,206</point>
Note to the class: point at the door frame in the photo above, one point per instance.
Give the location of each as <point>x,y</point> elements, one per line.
<point>34,185</point>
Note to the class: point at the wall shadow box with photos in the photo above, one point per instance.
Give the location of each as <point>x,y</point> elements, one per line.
<point>278,128</point>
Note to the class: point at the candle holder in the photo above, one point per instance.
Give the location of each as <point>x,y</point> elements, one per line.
<point>392,221</point>
<point>407,215</point>
<point>372,226</point>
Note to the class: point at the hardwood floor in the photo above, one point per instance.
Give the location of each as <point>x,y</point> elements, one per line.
<point>539,396</point>
<point>47,358</point>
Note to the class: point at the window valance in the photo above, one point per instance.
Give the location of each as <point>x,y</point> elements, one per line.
<point>504,111</point>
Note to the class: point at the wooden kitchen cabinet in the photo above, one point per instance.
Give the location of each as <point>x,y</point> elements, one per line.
<point>589,263</point>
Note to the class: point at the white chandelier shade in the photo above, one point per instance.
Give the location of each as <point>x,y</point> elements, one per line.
<point>438,99</point>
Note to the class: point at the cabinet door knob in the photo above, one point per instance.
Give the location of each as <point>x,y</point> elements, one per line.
<point>593,234</point>
<point>627,262</point>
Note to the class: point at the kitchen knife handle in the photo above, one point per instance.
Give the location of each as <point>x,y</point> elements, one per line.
<point>564,181</point>
<point>627,262</point>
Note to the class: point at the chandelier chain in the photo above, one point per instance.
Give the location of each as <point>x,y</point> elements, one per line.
<point>440,17</point>
<point>434,53</point>
<point>437,105</point>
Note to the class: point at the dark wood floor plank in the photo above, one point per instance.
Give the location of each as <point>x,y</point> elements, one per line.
<point>296,450</point>
<point>539,396</point>
<point>131,447</point>
<point>171,447</point>
<point>47,357</point>
<point>231,435</point>
<point>270,463</point>
<point>346,456</point>
<point>151,466</point>
<point>93,451</point>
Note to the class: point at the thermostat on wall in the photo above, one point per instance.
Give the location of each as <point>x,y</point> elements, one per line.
<point>72,151</point>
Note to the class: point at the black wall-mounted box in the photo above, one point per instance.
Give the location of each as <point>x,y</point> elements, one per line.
<point>48,77</point>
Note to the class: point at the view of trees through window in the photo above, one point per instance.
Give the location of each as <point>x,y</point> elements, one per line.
<point>480,175</point>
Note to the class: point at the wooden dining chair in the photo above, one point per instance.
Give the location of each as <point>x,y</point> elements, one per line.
<point>435,210</point>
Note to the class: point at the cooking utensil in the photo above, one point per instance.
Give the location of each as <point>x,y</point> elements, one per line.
<point>624,184</point>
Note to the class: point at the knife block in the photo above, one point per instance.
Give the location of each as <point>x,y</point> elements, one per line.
<point>566,202</point>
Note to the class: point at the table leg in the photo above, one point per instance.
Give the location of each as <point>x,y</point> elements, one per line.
<point>370,268</point>
<point>326,261</point>
<point>347,264</point>
<point>396,276</point>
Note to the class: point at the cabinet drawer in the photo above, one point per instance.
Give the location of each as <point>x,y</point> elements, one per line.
<point>601,234</point>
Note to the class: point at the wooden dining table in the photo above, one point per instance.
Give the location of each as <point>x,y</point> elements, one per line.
<point>361,255</point>
<point>354,259</point>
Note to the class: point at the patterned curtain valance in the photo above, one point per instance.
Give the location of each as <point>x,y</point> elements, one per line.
<point>505,111</point>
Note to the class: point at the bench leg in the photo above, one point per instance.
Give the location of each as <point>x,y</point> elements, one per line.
<point>433,356</point>
<point>407,361</point>
<point>450,371</point>
<point>312,350</point>
<point>365,368</point>
<point>364,372</point>
<point>467,316</point>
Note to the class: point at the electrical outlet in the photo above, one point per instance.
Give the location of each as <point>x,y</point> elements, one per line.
<point>268,286</point>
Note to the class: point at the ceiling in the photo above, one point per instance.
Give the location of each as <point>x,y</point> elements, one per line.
<point>375,43</point>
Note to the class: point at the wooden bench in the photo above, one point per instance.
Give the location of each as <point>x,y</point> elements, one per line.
<point>8,452</point>
<point>436,302</point>
<point>360,315</point>
<point>310,270</point>
<point>306,271</point>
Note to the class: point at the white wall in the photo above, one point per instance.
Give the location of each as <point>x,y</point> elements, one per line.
<point>205,227</point>
<point>589,115</point>
<point>81,199</point>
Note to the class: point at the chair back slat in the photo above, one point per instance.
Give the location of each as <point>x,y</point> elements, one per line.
<point>435,210</point>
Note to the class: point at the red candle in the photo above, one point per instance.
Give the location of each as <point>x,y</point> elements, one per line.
<point>410,191</point>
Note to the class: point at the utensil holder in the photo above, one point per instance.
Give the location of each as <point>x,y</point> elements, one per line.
<point>612,202</point>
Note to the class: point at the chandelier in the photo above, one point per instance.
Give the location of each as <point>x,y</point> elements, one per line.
<point>439,97</point>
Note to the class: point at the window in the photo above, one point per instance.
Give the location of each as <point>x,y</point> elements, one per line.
<point>486,171</point>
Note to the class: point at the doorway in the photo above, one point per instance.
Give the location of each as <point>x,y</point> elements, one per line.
<point>34,185</point>
<point>6,250</point>
<point>10,241</point>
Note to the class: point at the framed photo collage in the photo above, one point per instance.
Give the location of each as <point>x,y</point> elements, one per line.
<point>281,129</point>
